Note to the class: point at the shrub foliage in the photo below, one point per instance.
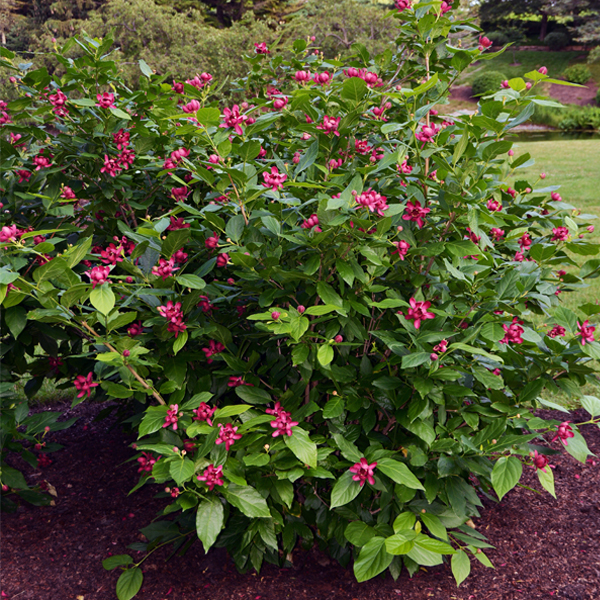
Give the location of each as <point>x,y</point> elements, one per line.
<point>329,315</point>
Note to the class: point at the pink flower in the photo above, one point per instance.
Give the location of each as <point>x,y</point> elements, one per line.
<point>191,107</point>
<point>363,471</point>
<point>213,348</point>
<point>121,138</point>
<point>505,85</point>
<point>212,242</point>
<point>41,162</point>
<point>557,330</point>
<point>261,48</point>
<point>204,413</point>
<point>401,249</point>
<point>222,260</point>
<point>586,332</point>
<point>484,43</point>
<point>274,179</point>
<point>232,118</point>
<point>111,166</point>
<point>301,308</point>
<point>24,175</point>
<point>441,347</point>
<point>302,76</point>
<point>98,275</point>
<point>498,234</point>
<point>146,462</point>
<point>519,257</point>
<point>112,254</point>
<point>283,420</point>
<point>199,81</point>
<point>58,99</point>
<point>126,158</point>
<point>338,339</point>
<point>55,363</point>
<point>555,197</point>
<point>494,205</point>
<point>165,268</point>
<point>525,241</point>
<point>67,193</point>
<point>84,384</point>
<point>205,304</point>
<point>405,168</point>
<point>227,435</point>
<point>322,78</point>
<point>446,7</point>
<point>312,221</point>
<point>419,312</point>
<point>540,461</point>
<point>543,70</point>
<point>330,125</point>
<point>402,5</point>
<point>211,476</point>
<point>105,100</point>
<point>427,133</point>
<point>564,432</point>
<point>513,332</point>
<point>175,158</point>
<point>237,381</point>
<point>172,416</point>
<point>135,329</point>
<point>415,212</point>
<point>177,223</point>
<point>275,315</point>
<point>180,256</point>
<point>590,228</point>
<point>179,193</point>
<point>173,313</point>
<point>374,201</point>
<point>560,234</point>
<point>9,233</point>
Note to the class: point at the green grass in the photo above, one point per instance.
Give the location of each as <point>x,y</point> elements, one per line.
<point>529,60</point>
<point>575,166</point>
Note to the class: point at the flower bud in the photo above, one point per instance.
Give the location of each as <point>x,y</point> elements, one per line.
<point>301,309</point>
<point>126,353</point>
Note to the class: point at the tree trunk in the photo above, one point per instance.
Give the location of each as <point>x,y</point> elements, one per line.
<point>543,27</point>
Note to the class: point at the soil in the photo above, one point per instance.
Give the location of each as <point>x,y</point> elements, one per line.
<point>582,96</point>
<point>545,548</point>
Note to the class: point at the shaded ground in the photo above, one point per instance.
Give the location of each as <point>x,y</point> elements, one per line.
<point>460,95</point>
<point>546,548</point>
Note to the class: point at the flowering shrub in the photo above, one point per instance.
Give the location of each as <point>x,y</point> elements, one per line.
<point>350,356</point>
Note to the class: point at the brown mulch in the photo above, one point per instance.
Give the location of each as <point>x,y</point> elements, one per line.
<point>545,548</point>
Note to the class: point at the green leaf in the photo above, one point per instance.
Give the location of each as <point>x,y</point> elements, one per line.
<point>119,560</point>
<point>76,254</point>
<point>433,545</point>
<point>354,89</point>
<point>191,281</point>
<point>506,474</point>
<point>399,473</point>
<point>461,566</point>
<point>401,543</point>
<point>298,327</point>
<point>345,270</point>
<point>328,294</point>
<point>102,298</point>
<point>209,521</point>
<point>181,470</point>
<point>180,341</point>
<point>272,224</point>
<point>209,116</point>
<point>325,354</point>
<point>248,500</point>
<point>120,114</point>
<point>348,449</point>
<point>129,583</point>
<point>16,319</point>
<point>344,490</point>
<point>405,520</point>
<point>252,394</point>
<point>235,227</point>
<point>372,560</point>
<point>231,410</point>
<point>144,68</point>
<point>308,158</point>
<point>591,404</point>
<point>434,525</point>
<point>546,478</point>
<point>416,359</point>
<point>334,408</point>
<point>425,557</point>
<point>153,420</point>
<point>578,447</point>
<point>174,241</point>
<point>359,533</point>
<point>302,446</point>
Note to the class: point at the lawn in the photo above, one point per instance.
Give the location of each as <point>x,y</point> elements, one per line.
<point>529,60</point>
<point>575,166</point>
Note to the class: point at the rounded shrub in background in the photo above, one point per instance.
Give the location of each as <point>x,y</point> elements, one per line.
<point>577,74</point>
<point>557,40</point>
<point>487,82</point>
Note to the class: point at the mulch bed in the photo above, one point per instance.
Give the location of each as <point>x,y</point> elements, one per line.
<point>545,548</point>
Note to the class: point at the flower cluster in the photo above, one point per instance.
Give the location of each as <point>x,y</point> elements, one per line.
<point>330,125</point>
<point>415,212</point>
<point>370,78</point>
<point>274,179</point>
<point>513,332</point>
<point>172,416</point>
<point>214,347</point>
<point>165,268</point>
<point>204,413</point>
<point>227,435</point>
<point>363,471</point>
<point>283,420</point>
<point>311,222</point>
<point>373,201</point>
<point>211,476</point>
<point>173,313</point>
<point>98,275</point>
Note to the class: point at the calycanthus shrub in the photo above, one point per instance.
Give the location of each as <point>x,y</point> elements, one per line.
<point>329,314</point>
